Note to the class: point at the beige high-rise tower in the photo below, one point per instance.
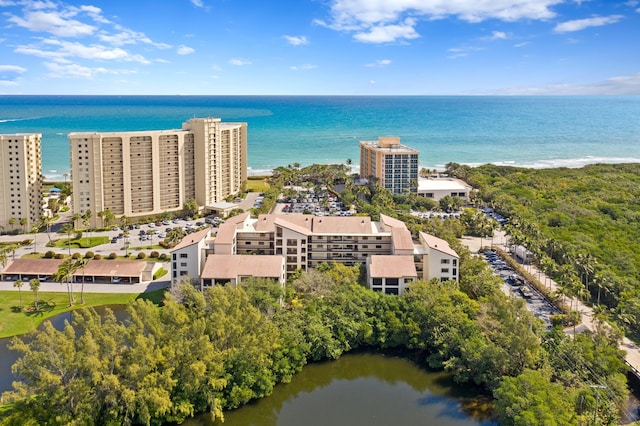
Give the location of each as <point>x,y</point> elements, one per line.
<point>151,172</point>
<point>395,166</point>
<point>20,180</point>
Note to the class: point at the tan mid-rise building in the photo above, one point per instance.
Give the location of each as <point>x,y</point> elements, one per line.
<point>150,172</point>
<point>20,180</point>
<point>394,166</point>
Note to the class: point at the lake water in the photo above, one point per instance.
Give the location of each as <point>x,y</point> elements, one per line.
<point>363,389</point>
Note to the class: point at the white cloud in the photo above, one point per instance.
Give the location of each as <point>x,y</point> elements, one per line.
<point>197,3</point>
<point>185,50</point>
<point>620,85</point>
<point>496,35</point>
<point>216,68</point>
<point>13,68</point>
<point>379,63</point>
<point>581,24</point>
<point>52,22</point>
<point>296,40</point>
<point>8,82</point>
<point>304,67</point>
<point>523,44</point>
<point>461,52</point>
<point>73,71</point>
<point>368,19</point>
<point>388,33</point>
<point>239,62</point>
<point>79,71</point>
<point>60,50</point>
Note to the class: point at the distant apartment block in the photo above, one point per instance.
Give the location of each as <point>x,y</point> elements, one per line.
<point>276,246</point>
<point>392,165</point>
<point>150,172</point>
<point>20,180</point>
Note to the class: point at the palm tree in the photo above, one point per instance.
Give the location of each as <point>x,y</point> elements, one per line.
<point>108,217</point>
<point>86,219</point>
<point>100,214</point>
<point>68,229</point>
<point>46,221</point>
<point>34,284</point>
<point>34,229</point>
<point>23,223</point>
<point>81,264</point>
<point>18,284</point>
<point>65,274</point>
<point>3,257</point>
<point>12,222</point>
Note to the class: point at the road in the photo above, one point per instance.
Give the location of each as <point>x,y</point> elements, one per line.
<point>632,351</point>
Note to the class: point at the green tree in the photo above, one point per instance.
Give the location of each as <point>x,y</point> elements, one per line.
<point>191,207</point>
<point>23,223</point>
<point>69,229</point>
<point>34,284</point>
<point>18,284</point>
<point>532,399</point>
<point>12,222</point>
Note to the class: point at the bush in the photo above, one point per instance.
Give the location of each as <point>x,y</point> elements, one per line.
<point>112,256</point>
<point>154,254</point>
<point>76,256</point>
<point>141,255</point>
<point>163,256</point>
<point>97,256</point>
<point>59,256</point>
<point>49,255</point>
<point>88,255</point>
<point>26,242</point>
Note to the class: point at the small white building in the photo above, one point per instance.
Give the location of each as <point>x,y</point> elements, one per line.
<point>188,257</point>
<point>437,259</point>
<point>441,187</point>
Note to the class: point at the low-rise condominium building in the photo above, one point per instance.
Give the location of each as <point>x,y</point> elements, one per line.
<point>276,244</point>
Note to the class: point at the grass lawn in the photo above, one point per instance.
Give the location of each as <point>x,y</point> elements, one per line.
<point>82,242</point>
<point>15,321</point>
<point>257,184</point>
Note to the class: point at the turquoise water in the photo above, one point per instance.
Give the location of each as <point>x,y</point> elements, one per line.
<point>524,131</point>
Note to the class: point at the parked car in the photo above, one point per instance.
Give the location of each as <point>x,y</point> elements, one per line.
<point>114,240</point>
<point>116,280</point>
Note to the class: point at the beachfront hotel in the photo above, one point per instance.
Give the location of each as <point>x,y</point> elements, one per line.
<point>276,246</point>
<point>392,165</point>
<point>150,172</point>
<point>20,180</point>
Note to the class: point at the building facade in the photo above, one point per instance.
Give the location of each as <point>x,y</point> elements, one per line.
<point>392,165</point>
<point>392,258</point>
<point>20,180</point>
<point>151,172</point>
<point>437,189</point>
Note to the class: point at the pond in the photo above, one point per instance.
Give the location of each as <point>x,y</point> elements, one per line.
<point>363,389</point>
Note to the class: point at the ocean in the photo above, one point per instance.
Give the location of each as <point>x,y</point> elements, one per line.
<point>521,131</point>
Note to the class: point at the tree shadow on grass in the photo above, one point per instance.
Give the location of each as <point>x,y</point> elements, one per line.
<point>43,307</point>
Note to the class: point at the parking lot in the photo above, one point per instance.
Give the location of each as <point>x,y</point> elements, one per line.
<point>515,286</point>
<point>323,203</point>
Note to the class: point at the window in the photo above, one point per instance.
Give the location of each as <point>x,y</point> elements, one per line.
<point>444,270</point>
<point>183,255</point>
<point>444,261</point>
<point>183,264</point>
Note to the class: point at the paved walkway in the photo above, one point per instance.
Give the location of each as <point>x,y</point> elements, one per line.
<point>631,350</point>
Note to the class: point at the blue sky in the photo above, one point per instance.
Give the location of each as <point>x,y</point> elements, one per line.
<point>320,47</point>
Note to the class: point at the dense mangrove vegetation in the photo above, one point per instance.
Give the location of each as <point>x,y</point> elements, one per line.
<point>217,350</point>
<point>582,225</point>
